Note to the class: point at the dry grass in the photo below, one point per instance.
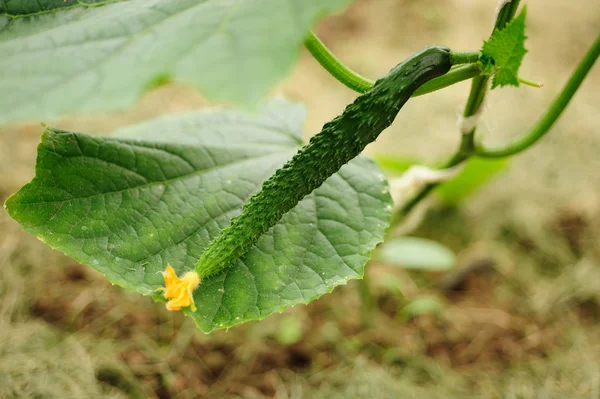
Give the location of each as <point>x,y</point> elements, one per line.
<point>67,333</point>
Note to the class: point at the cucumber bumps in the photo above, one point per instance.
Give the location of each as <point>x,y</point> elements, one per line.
<point>341,140</point>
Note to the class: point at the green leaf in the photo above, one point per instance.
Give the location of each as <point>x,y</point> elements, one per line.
<point>161,190</point>
<point>83,58</point>
<point>289,331</point>
<point>476,172</point>
<point>20,8</point>
<point>391,283</point>
<point>416,254</point>
<point>394,164</point>
<point>506,48</point>
<point>426,304</point>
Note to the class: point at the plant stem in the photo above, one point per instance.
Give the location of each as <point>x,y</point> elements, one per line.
<point>552,114</point>
<point>360,84</point>
<point>464,58</point>
<point>369,307</point>
<point>506,13</point>
<point>479,86</point>
<point>476,95</point>
<point>335,67</point>
<point>458,74</point>
<point>464,152</point>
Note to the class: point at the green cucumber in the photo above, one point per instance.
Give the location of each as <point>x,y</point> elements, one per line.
<point>339,141</point>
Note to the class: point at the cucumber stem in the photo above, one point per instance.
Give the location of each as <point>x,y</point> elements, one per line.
<point>464,58</point>
<point>456,75</point>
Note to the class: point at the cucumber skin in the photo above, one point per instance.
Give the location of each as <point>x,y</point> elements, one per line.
<point>340,140</point>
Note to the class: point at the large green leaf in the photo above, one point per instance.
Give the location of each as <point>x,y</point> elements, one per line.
<point>20,8</point>
<point>128,207</point>
<point>86,57</point>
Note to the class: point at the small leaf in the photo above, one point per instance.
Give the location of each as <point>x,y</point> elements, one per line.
<point>289,330</point>
<point>67,56</point>
<point>427,304</point>
<point>391,283</point>
<point>476,172</point>
<point>416,254</point>
<point>160,191</point>
<point>506,49</point>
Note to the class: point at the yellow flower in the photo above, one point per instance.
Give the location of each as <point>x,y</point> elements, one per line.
<point>179,290</point>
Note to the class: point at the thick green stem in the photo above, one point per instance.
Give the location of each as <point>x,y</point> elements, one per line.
<point>360,84</point>
<point>552,114</point>
<point>458,74</point>
<point>476,96</point>
<point>464,58</point>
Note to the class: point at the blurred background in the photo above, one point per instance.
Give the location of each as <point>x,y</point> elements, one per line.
<point>516,315</point>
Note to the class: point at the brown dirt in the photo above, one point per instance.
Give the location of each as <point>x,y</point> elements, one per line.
<point>476,332</point>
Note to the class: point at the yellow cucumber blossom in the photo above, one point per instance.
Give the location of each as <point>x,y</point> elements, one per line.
<point>179,290</point>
